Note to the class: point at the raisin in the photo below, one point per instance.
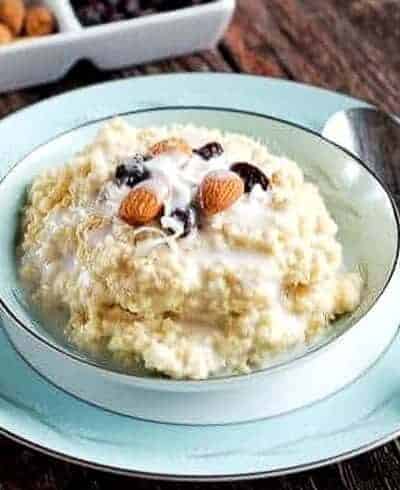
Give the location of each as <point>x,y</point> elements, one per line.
<point>210,150</point>
<point>130,8</point>
<point>251,175</point>
<point>95,12</point>
<point>187,216</point>
<point>132,171</point>
<point>112,3</point>
<point>90,16</point>
<point>116,17</point>
<point>158,5</point>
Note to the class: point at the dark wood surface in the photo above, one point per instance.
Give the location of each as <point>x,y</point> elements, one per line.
<point>347,45</point>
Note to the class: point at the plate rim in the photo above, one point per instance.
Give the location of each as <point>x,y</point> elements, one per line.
<point>160,76</point>
<point>201,478</point>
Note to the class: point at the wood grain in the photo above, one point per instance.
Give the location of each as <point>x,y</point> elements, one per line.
<point>346,45</point>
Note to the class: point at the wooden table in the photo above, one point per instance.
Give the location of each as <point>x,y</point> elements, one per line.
<point>345,45</point>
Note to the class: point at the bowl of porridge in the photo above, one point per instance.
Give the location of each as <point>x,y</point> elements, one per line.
<point>173,258</point>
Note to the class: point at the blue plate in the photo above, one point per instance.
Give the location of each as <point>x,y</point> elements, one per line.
<point>360,417</point>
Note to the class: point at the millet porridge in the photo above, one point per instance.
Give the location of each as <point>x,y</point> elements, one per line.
<point>184,250</point>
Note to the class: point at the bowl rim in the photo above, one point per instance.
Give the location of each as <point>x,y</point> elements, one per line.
<point>216,380</point>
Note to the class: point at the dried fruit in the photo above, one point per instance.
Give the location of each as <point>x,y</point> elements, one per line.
<point>91,16</point>
<point>116,17</point>
<point>251,175</point>
<point>187,216</point>
<point>210,150</point>
<point>171,145</point>
<point>163,5</point>
<point>5,34</point>
<point>132,171</point>
<point>95,12</point>
<point>12,14</point>
<point>219,190</point>
<point>130,8</point>
<point>144,202</point>
<point>40,21</point>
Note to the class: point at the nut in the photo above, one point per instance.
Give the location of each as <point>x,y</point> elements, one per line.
<point>144,202</point>
<point>5,34</point>
<point>40,21</point>
<point>170,145</point>
<point>12,14</point>
<point>219,190</point>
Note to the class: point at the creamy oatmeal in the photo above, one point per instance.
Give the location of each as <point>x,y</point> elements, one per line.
<point>184,250</point>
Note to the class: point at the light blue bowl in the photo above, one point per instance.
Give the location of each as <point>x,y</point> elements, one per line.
<point>368,225</point>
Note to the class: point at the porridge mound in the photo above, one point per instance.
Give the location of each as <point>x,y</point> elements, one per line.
<point>184,250</point>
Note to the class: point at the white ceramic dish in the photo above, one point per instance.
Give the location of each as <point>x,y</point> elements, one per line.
<point>110,46</point>
<point>361,207</point>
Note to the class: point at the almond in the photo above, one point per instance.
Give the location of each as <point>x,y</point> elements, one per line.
<point>39,21</point>
<point>144,202</point>
<point>219,190</point>
<point>12,14</point>
<point>170,145</point>
<point>6,35</point>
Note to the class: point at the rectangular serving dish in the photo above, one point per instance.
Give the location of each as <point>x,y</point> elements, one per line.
<point>29,62</point>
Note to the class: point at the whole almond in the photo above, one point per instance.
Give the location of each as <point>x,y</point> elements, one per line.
<point>12,14</point>
<point>40,21</point>
<point>171,145</point>
<point>5,34</point>
<point>144,202</point>
<point>219,190</point>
